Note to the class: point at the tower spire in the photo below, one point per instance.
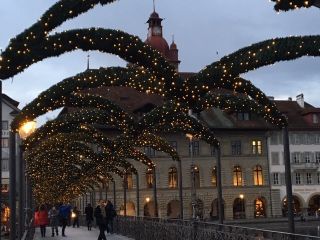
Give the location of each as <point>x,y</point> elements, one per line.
<point>88,62</point>
<point>154,6</point>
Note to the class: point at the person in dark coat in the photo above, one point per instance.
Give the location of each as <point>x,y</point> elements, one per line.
<point>110,214</point>
<point>54,220</point>
<point>100,220</point>
<point>64,213</point>
<point>75,215</point>
<point>89,216</point>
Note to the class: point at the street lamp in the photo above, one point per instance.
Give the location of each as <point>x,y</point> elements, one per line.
<point>242,204</point>
<point>24,199</point>
<point>193,187</point>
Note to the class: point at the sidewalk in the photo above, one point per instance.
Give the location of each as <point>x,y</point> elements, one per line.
<point>77,234</point>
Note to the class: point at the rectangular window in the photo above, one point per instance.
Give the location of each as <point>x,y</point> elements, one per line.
<point>5,164</point>
<point>243,116</point>
<point>213,151</point>
<point>274,139</point>
<point>150,152</point>
<point>315,118</point>
<point>296,139</point>
<point>318,178</point>
<point>276,179</point>
<point>5,125</point>
<point>296,157</point>
<point>317,139</point>
<point>309,178</point>
<point>194,147</point>
<point>310,138</point>
<point>256,147</point>
<point>236,147</point>
<point>5,142</point>
<point>317,157</point>
<point>275,158</point>
<point>307,157</point>
<point>298,178</point>
<point>174,145</point>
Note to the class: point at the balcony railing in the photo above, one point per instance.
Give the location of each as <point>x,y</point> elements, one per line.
<point>303,165</point>
<point>155,228</point>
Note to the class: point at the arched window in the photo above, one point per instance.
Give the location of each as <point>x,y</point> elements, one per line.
<point>239,208</point>
<point>259,208</point>
<point>237,176</point>
<point>173,177</point>
<point>257,176</point>
<point>195,172</point>
<point>129,184</point>
<point>149,177</point>
<point>214,177</point>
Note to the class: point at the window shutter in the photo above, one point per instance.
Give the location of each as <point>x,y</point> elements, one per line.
<point>282,179</point>
<point>312,157</point>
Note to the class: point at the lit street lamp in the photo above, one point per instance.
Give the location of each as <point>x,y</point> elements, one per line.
<point>242,205</point>
<point>193,182</point>
<point>24,186</point>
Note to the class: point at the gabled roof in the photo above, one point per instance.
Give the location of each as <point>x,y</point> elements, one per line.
<point>11,102</point>
<point>295,114</point>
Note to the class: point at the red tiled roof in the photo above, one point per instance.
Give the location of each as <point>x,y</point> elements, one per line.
<point>295,114</point>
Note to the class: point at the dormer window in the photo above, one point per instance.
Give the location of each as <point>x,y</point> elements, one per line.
<point>315,118</point>
<point>243,116</point>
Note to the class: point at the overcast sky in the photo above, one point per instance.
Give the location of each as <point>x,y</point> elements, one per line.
<point>201,29</point>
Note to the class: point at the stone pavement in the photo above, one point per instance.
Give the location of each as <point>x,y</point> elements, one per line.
<point>81,233</point>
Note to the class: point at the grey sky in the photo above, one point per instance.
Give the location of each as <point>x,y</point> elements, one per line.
<point>201,28</point>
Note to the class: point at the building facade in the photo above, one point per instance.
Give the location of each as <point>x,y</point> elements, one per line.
<point>9,110</point>
<point>244,154</point>
<point>304,139</point>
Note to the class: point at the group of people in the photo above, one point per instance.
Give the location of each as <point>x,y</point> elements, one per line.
<point>104,214</point>
<point>58,215</point>
<point>61,215</point>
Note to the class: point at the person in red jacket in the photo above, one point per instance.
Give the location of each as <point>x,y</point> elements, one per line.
<point>43,219</point>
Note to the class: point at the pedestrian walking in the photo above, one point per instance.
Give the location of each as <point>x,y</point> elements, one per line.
<point>75,215</point>
<point>100,220</point>
<point>110,215</point>
<point>64,214</point>
<point>43,220</point>
<point>89,216</point>
<point>54,220</point>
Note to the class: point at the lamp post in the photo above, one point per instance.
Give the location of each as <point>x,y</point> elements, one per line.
<point>219,186</point>
<point>24,203</point>
<point>287,165</point>
<point>125,185</point>
<point>242,204</point>
<point>1,156</point>
<point>138,195</point>
<point>193,184</point>
<point>155,195</point>
<point>180,189</point>
<point>114,195</point>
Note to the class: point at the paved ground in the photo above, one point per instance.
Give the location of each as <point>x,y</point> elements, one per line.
<point>77,234</point>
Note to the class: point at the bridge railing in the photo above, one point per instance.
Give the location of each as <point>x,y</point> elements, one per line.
<point>156,228</point>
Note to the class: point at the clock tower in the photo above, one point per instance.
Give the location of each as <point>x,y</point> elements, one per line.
<point>155,27</point>
<point>155,39</point>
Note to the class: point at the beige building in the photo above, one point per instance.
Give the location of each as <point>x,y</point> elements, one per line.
<point>244,155</point>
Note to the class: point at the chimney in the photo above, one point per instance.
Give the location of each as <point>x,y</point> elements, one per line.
<point>271,98</point>
<point>300,100</point>
<point>289,98</point>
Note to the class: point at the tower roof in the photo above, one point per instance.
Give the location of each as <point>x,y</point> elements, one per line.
<point>154,16</point>
<point>158,43</point>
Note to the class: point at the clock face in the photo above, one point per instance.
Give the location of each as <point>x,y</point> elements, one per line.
<point>157,31</point>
